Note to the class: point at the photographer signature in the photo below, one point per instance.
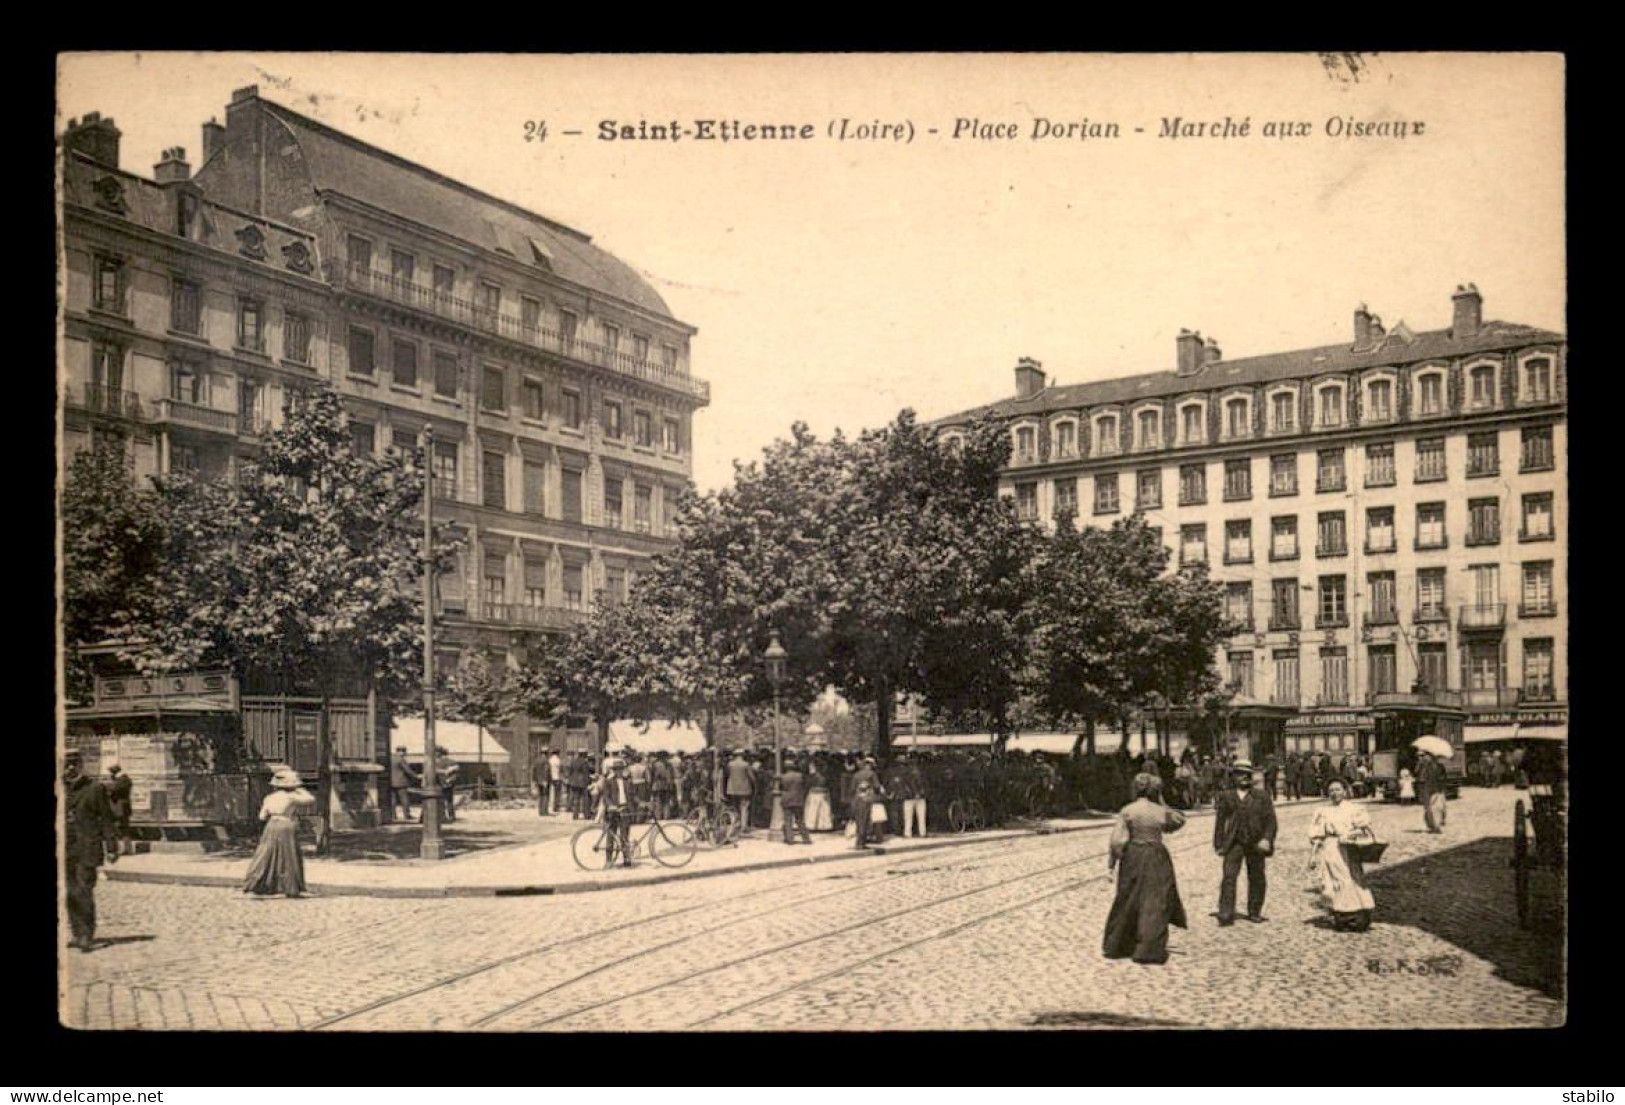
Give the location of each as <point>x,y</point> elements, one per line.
<point>1447,965</point>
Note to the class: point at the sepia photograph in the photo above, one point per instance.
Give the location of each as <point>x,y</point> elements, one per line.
<point>811,543</point>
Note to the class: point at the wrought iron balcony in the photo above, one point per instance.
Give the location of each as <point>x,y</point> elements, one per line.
<point>1332,621</point>
<point>179,412</point>
<point>101,399</point>
<point>1483,615</point>
<point>1448,699</point>
<point>444,305</point>
<point>544,617</point>
<point>1492,698</point>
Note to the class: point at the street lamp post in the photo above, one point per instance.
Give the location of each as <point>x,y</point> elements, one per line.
<point>432,846</point>
<point>774,658</point>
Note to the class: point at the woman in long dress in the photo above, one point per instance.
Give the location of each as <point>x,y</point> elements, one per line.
<point>1337,828</point>
<point>278,867</point>
<point>817,812</point>
<point>1147,899</point>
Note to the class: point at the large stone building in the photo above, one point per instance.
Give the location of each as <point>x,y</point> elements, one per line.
<point>1385,511</point>
<point>555,378</point>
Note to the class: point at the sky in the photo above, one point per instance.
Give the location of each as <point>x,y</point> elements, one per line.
<point>837,281</point>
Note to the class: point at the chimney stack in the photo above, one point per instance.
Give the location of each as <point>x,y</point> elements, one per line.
<point>1029,378</point>
<point>95,137</point>
<point>173,168</point>
<point>1375,329</point>
<point>1469,315</point>
<point>214,136</point>
<point>1362,327</point>
<point>1189,344</point>
<point>1210,352</point>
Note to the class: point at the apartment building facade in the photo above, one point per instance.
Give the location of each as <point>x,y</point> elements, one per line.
<point>1383,514</point>
<point>554,378</point>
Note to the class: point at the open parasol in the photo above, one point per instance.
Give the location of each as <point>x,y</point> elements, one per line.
<point>1436,746</point>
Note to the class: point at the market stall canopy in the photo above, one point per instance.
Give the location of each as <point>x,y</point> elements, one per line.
<point>460,739</point>
<point>657,736</point>
<point>1543,732</point>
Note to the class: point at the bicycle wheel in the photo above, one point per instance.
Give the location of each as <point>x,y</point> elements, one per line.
<point>671,843</point>
<point>700,825</point>
<point>593,848</point>
<point>958,820</point>
<point>727,828</point>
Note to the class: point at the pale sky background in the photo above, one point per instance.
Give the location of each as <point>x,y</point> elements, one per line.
<point>838,282</point>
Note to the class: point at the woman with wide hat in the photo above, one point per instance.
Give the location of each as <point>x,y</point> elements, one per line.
<point>278,867</point>
<point>1339,831</point>
<point>1147,894</point>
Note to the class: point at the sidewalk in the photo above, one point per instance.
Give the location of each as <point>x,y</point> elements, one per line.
<point>545,866</point>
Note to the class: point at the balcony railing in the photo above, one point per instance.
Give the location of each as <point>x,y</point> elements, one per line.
<point>1285,621</point>
<point>1547,609</point>
<point>196,416</point>
<point>1431,612</point>
<point>1331,621</point>
<point>1492,698</point>
<point>1448,699</point>
<point>1482,615</point>
<point>1382,617</point>
<point>1484,536</point>
<point>451,307</point>
<point>545,617</point>
<point>1284,698</point>
<point>105,400</point>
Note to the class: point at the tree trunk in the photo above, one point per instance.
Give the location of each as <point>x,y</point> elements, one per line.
<point>710,728</point>
<point>883,715</point>
<point>325,775</point>
<point>1089,736</point>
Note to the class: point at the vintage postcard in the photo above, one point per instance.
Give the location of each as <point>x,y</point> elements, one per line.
<point>850,542</point>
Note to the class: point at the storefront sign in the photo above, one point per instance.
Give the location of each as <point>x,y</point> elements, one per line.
<point>1521,717</point>
<point>1326,722</point>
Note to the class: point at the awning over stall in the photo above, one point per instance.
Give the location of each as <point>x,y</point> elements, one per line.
<point>1482,734</point>
<point>461,740</point>
<point>657,736</point>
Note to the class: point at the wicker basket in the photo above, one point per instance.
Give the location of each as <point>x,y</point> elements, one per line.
<point>1369,851</point>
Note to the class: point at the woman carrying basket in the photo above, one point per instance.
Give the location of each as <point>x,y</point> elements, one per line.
<point>1339,832</point>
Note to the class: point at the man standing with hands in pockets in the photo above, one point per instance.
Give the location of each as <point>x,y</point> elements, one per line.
<point>1243,833</point>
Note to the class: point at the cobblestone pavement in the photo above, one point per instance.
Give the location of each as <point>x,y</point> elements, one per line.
<point>1004,934</point>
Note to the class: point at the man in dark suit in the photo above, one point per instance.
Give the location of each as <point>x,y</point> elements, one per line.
<point>91,838</point>
<point>541,778</point>
<point>792,788</point>
<point>740,785</point>
<point>866,790</point>
<point>1243,833</point>
<point>401,779</point>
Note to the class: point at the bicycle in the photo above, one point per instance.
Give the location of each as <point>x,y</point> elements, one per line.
<point>714,829</point>
<point>599,846</point>
<point>966,814</point>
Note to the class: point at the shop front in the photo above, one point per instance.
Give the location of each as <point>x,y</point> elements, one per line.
<point>1338,733</point>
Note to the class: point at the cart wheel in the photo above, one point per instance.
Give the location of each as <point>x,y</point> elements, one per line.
<point>1520,862</point>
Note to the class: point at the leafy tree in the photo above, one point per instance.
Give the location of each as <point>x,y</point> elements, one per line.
<point>112,548</point>
<point>482,690</point>
<point>308,571</point>
<point>1117,633</point>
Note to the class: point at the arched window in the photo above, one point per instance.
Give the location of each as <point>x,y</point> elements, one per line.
<point>1481,387</point>
<point>1066,438</point>
<point>1379,400</point>
<point>1148,429</point>
<point>1329,405</point>
<point>1537,380</point>
<point>1283,411</point>
<point>1106,440</point>
<point>1192,424</point>
<point>1430,392</point>
<point>1236,417</point>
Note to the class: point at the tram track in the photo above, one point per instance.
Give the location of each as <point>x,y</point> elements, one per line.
<point>779,948</point>
<point>711,904</point>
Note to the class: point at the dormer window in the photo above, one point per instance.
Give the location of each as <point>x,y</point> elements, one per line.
<point>1026,444</point>
<point>1537,380</point>
<point>1148,429</point>
<point>1190,424</point>
<point>1283,412</point>
<point>1330,406</point>
<point>1481,387</point>
<point>1066,439</point>
<point>1236,418</point>
<point>1379,401</point>
<point>1430,392</point>
<point>1106,441</point>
